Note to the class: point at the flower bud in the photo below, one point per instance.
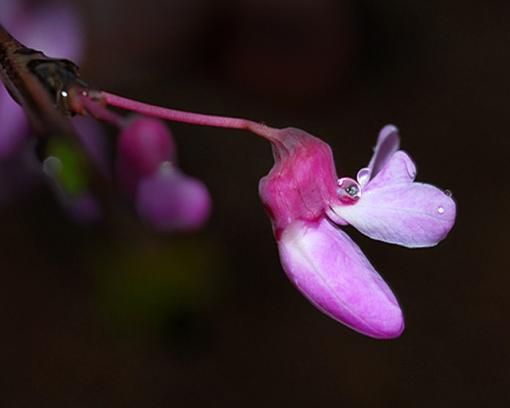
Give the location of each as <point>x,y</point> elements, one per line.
<point>143,145</point>
<point>171,201</point>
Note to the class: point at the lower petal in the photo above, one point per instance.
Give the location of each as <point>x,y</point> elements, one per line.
<point>332,272</point>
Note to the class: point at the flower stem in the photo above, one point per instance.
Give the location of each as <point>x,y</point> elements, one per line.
<point>98,111</point>
<point>190,117</point>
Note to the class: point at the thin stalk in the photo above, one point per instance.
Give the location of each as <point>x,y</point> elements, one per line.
<point>98,111</point>
<point>190,117</point>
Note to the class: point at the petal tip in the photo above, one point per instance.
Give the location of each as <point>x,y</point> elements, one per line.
<point>391,328</point>
<point>389,128</point>
<point>382,321</point>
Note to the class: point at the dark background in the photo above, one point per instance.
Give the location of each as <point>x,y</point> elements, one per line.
<point>117,317</point>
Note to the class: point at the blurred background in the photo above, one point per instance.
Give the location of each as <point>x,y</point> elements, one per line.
<point>116,316</point>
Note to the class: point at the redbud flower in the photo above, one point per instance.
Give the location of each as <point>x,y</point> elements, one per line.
<point>304,200</point>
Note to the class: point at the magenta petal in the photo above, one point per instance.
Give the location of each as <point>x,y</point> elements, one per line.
<point>397,210</point>
<point>388,143</point>
<point>13,125</point>
<point>332,272</point>
<point>170,201</point>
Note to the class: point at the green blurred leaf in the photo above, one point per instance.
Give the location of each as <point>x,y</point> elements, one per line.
<point>72,177</point>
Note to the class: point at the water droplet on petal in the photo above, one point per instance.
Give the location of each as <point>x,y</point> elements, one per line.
<point>363,176</point>
<point>448,193</point>
<point>440,210</point>
<point>349,190</point>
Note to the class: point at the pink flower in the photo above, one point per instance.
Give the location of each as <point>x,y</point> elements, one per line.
<point>305,200</point>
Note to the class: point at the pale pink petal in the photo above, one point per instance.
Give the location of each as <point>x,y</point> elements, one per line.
<point>363,176</point>
<point>170,201</point>
<point>332,272</point>
<point>388,143</point>
<point>394,209</point>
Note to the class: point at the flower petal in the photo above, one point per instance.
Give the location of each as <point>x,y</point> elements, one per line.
<point>388,143</point>
<point>332,272</point>
<point>397,210</point>
<point>171,201</point>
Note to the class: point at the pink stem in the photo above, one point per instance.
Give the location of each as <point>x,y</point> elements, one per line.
<point>100,112</point>
<point>189,117</point>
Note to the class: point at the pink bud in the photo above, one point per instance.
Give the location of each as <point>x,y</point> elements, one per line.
<point>143,145</point>
<point>171,201</point>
